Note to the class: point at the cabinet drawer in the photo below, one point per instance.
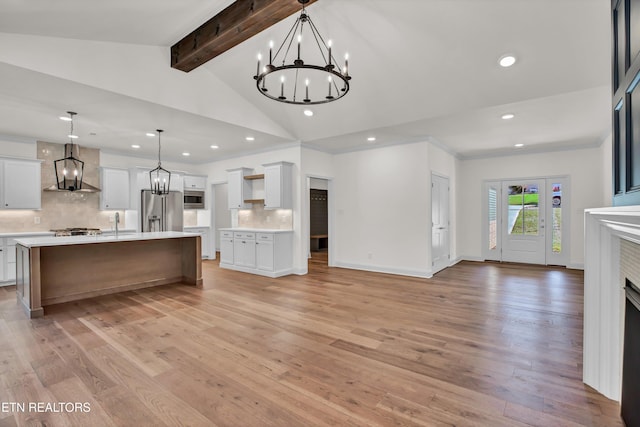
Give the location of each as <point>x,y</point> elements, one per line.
<point>265,237</point>
<point>244,235</point>
<point>227,234</point>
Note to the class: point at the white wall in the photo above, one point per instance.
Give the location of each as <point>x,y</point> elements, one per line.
<point>587,190</point>
<point>10,147</point>
<point>383,207</point>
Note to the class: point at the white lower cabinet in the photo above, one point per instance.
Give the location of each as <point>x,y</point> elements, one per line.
<point>8,256</point>
<point>264,252</point>
<point>267,252</point>
<point>226,247</point>
<point>244,249</point>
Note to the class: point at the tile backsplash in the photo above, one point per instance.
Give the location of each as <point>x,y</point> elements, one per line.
<point>62,209</point>
<point>258,217</point>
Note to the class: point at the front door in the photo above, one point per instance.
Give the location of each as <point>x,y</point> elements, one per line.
<point>523,236</point>
<point>439,223</point>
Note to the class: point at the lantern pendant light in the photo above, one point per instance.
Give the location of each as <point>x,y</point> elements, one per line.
<point>69,170</point>
<point>160,178</point>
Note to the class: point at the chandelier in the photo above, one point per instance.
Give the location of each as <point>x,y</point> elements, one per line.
<point>296,81</point>
<point>69,170</point>
<point>160,178</point>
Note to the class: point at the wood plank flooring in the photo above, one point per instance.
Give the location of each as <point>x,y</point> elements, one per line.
<point>480,344</point>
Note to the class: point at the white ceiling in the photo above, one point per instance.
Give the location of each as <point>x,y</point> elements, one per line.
<point>422,70</point>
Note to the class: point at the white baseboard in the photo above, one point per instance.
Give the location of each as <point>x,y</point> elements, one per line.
<point>575,266</point>
<point>272,274</point>
<point>423,274</point>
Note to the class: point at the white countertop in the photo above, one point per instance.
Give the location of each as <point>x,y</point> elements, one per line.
<point>31,242</point>
<point>27,233</point>
<point>257,230</point>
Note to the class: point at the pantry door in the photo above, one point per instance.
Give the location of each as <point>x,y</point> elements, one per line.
<point>523,221</point>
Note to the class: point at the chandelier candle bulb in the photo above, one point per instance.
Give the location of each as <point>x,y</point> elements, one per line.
<point>329,43</point>
<point>271,52</point>
<point>258,69</point>
<point>299,40</point>
<point>282,88</point>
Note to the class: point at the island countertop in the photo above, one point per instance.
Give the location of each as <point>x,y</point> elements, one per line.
<point>46,241</point>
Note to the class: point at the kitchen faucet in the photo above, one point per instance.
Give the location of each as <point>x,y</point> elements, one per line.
<point>117,220</point>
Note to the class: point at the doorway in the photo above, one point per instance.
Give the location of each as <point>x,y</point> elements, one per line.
<point>527,220</point>
<point>319,220</point>
<point>220,214</point>
<point>440,256</point>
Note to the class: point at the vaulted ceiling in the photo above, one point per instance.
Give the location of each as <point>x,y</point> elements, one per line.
<point>422,70</point>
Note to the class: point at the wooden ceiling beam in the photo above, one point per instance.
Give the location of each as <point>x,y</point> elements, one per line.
<point>240,21</point>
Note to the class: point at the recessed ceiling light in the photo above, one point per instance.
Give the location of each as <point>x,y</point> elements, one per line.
<point>308,113</point>
<point>371,139</point>
<point>73,136</point>
<point>65,119</point>
<point>214,147</point>
<point>150,134</point>
<point>136,146</point>
<point>186,154</point>
<point>250,138</point>
<point>507,60</point>
<point>508,116</point>
<point>519,145</point>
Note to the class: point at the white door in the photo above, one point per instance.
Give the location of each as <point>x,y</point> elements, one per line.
<point>523,221</point>
<point>439,223</point>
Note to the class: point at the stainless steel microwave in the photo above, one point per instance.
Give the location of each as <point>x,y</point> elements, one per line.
<point>194,199</point>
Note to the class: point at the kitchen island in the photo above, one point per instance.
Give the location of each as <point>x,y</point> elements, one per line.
<point>52,270</point>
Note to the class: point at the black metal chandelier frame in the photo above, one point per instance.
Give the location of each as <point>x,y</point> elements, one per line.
<point>338,78</point>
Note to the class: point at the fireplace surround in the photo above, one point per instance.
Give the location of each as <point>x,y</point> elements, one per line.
<point>612,256</point>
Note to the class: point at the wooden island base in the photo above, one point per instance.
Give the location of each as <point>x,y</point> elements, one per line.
<point>49,275</point>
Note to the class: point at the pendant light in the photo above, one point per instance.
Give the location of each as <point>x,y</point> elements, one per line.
<point>69,170</point>
<point>160,178</point>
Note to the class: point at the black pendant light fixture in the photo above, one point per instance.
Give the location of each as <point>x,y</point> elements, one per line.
<point>69,170</point>
<point>296,81</point>
<point>160,178</point>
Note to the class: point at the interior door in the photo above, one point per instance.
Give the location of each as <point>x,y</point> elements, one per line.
<point>439,223</point>
<point>523,236</point>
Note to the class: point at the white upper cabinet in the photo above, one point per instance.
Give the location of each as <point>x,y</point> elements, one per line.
<point>278,185</point>
<point>21,184</point>
<point>193,182</point>
<point>115,189</point>
<point>238,188</point>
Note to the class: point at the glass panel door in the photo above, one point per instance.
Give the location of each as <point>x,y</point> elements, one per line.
<point>524,211</point>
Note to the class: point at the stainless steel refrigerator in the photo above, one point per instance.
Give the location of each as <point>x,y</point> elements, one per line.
<point>162,213</point>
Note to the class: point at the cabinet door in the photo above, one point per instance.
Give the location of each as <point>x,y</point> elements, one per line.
<point>226,250</point>
<point>272,187</point>
<point>3,259</point>
<point>115,189</point>
<point>194,182</point>
<point>244,253</point>
<point>238,189</point>
<point>278,186</point>
<point>21,185</point>
<point>264,255</point>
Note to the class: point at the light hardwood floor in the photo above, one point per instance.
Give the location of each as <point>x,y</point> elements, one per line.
<point>479,344</point>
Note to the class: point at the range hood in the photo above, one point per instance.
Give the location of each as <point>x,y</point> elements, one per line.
<point>69,173</point>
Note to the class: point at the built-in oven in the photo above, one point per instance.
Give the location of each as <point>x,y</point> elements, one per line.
<point>194,199</point>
